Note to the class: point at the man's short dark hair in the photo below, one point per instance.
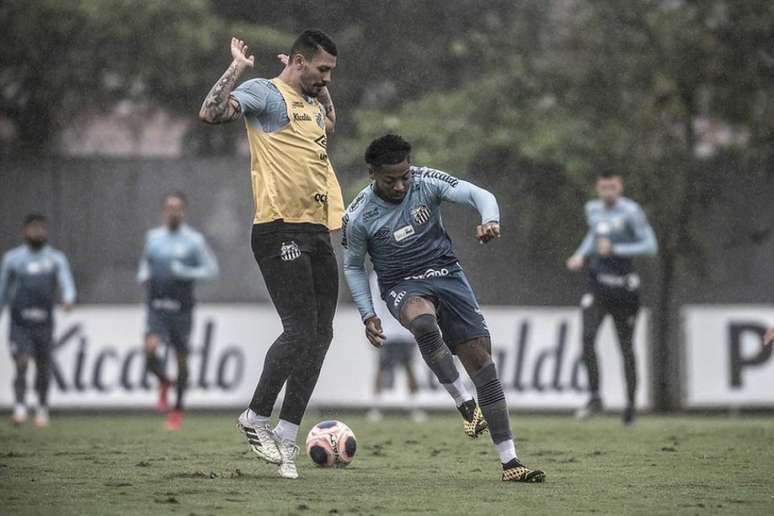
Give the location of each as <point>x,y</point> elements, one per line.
<point>33,218</point>
<point>608,173</point>
<point>387,150</point>
<point>175,194</point>
<point>312,41</point>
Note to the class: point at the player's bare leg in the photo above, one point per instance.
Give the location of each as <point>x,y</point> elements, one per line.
<point>476,357</point>
<point>418,315</point>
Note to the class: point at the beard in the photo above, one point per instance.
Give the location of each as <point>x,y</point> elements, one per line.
<point>36,243</point>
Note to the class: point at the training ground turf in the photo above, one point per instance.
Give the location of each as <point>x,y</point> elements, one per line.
<point>130,465</point>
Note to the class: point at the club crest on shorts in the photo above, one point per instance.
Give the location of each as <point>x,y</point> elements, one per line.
<point>289,252</point>
<point>420,214</point>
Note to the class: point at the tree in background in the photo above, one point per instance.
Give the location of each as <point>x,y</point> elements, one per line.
<point>676,95</point>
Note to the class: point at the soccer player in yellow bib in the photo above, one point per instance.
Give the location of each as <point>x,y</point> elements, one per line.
<point>297,203</point>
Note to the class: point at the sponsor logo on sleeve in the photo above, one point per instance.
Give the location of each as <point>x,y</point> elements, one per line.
<point>441,176</point>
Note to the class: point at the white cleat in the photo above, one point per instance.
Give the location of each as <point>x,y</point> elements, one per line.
<point>19,415</point>
<point>288,450</point>
<point>41,417</point>
<point>260,438</point>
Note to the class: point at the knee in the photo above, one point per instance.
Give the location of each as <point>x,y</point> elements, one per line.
<point>423,325</point>
<point>151,344</point>
<point>21,362</point>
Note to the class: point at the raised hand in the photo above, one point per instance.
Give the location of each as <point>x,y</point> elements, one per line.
<point>239,52</point>
<point>284,59</point>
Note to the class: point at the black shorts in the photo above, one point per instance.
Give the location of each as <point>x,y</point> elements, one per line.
<point>172,328</point>
<point>30,339</point>
<point>459,315</point>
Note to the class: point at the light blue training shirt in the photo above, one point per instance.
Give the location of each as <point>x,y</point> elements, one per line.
<point>29,280</point>
<point>406,240</point>
<point>171,262</point>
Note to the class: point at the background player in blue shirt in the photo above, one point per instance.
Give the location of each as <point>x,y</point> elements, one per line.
<point>618,231</point>
<point>397,220</point>
<point>175,256</point>
<point>29,277</point>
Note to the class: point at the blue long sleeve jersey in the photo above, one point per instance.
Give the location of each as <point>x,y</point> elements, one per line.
<point>29,281</point>
<point>406,240</point>
<point>626,226</point>
<point>171,262</point>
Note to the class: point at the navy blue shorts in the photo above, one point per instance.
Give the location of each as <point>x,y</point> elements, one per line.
<point>459,315</point>
<point>172,328</point>
<point>29,340</point>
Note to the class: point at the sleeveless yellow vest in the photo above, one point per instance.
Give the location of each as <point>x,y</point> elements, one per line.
<point>292,177</point>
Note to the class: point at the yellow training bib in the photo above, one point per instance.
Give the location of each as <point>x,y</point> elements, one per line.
<point>291,175</point>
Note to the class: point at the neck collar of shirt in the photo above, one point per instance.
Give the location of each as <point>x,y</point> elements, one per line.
<point>308,100</point>
<point>386,204</point>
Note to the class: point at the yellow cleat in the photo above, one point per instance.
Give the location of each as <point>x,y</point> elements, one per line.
<point>518,472</point>
<point>474,424</point>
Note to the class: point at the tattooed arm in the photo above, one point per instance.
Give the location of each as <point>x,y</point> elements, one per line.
<point>219,106</point>
<point>330,112</point>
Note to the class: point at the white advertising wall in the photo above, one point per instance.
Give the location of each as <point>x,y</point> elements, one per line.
<point>726,364</point>
<point>99,363</point>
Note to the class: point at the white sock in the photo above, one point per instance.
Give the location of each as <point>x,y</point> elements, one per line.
<point>458,391</point>
<point>506,450</point>
<point>286,431</point>
<point>257,420</point>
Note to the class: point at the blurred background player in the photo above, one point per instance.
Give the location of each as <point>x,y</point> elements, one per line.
<point>397,351</point>
<point>298,202</point>
<point>618,231</point>
<point>175,256</point>
<point>397,221</point>
<point>29,278</point>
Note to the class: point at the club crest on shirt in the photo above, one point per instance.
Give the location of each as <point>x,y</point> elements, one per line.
<point>290,252</point>
<point>420,214</point>
<point>320,121</point>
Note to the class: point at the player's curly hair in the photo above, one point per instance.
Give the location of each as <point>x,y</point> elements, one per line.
<point>387,150</point>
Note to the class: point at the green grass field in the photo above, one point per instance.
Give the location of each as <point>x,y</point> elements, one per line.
<point>130,465</point>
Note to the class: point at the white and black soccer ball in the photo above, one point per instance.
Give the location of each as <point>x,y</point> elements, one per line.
<point>331,443</point>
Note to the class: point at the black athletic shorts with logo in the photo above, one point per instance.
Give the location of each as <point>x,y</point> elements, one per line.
<point>459,315</point>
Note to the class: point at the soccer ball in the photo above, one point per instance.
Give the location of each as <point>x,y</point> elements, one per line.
<point>331,443</point>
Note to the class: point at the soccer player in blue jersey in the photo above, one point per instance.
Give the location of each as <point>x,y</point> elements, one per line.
<point>618,232</point>
<point>397,221</point>
<point>174,258</point>
<point>29,277</point>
